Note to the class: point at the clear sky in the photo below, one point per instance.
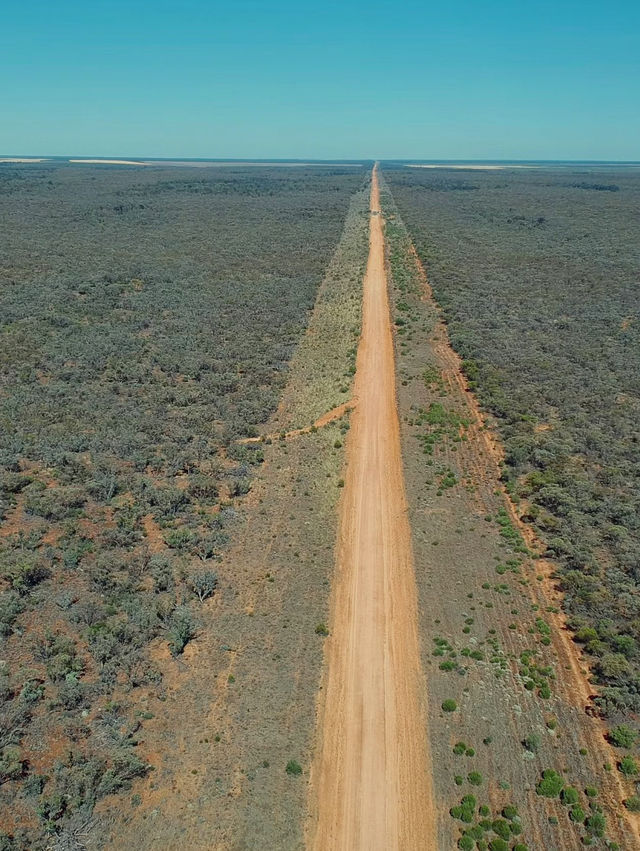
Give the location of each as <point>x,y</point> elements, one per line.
<point>553,79</point>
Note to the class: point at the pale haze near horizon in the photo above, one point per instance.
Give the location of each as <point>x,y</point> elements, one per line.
<point>321,80</point>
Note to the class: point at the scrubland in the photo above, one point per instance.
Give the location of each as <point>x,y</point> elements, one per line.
<point>169,527</point>
<point>537,277</point>
<point>147,324</point>
<point>518,743</point>
<point>236,775</point>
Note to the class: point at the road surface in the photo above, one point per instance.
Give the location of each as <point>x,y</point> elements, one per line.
<point>371,780</point>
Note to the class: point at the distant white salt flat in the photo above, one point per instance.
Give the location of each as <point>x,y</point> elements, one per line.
<point>24,159</point>
<point>246,163</point>
<point>208,163</point>
<point>110,162</point>
<point>469,166</point>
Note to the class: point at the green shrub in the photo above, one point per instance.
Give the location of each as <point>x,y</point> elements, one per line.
<point>465,810</point>
<point>161,572</point>
<point>125,767</point>
<point>532,742</point>
<point>569,796</point>
<point>180,539</point>
<point>11,606</point>
<point>501,828</point>
<point>203,487</point>
<point>628,766</point>
<point>11,764</point>
<point>449,705</point>
<point>203,584</point>
<point>577,814</point>
<point>622,736</point>
<point>596,824</point>
<point>550,785</point>
<point>26,573</point>
<point>181,630</point>
<point>633,804</point>
<point>293,768</point>
<point>240,486</point>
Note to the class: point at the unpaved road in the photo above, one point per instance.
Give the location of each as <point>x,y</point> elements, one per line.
<point>371,780</point>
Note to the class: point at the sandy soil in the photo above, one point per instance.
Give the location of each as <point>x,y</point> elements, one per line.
<point>371,780</point>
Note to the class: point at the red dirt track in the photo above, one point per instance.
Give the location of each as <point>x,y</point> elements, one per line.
<point>371,780</point>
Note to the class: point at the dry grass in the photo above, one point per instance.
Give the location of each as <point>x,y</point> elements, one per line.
<point>322,366</point>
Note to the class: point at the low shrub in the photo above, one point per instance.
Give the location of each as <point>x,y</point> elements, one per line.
<point>569,796</point>
<point>596,824</point>
<point>203,584</point>
<point>181,630</point>
<point>633,804</point>
<point>628,766</point>
<point>550,785</point>
<point>622,736</point>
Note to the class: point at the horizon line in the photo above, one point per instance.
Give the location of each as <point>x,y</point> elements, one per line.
<point>346,160</point>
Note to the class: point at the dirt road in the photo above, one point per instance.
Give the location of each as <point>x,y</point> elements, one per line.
<point>371,780</point>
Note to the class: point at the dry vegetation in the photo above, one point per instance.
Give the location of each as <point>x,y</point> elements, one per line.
<point>165,583</point>
<point>520,764</point>
<point>537,275</point>
<point>148,319</point>
<point>232,771</point>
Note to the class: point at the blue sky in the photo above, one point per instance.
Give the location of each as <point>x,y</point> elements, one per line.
<point>537,80</point>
